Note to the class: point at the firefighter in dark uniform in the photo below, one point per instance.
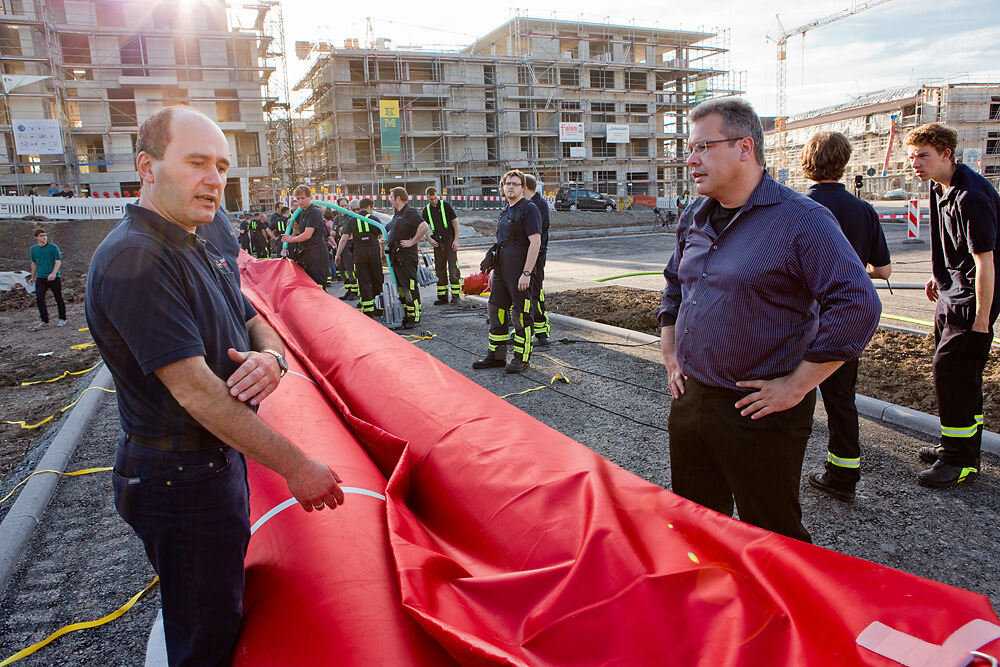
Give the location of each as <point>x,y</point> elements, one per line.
<point>965,235</point>
<point>407,230</point>
<point>342,222</point>
<point>443,222</point>
<point>367,258</point>
<point>315,258</point>
<point>539,318</point>
<point>519,237</point>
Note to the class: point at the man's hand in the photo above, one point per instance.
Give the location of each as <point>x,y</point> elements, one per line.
<point>454,244</point>
<point>52,276</point>
<point>256,377</point>
<point>773,396</point>
<point>524,282</point>
<point>675,378</point>
<point>408,243</point>
<point>315,485</point>
<point>434,244</point>
<point>931,290</point>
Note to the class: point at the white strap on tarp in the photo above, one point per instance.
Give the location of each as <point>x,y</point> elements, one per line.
<point>956,651</point>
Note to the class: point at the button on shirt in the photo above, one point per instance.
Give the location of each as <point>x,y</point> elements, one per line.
<point>779,285</point>
<point>965,219</point>
<point>157,294</point>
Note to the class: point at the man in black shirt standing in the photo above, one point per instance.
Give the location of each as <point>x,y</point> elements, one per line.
<point>965,235</point>
<point>276,227</point>
<point>539,318</point>
<point>519,236</point>
<point>823,160</point>
<point>315,256</point>
<point>407,230</point>
<point>367,257</point>
<point>443,222</point>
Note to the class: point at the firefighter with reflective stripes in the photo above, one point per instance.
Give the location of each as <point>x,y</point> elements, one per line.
<point>443,223</point>
<point>367,257</point>
<point>342,222</point>
<point>519,237</point>
<point>965,251</point>
<point>407,228</point>
<point>539,318</point>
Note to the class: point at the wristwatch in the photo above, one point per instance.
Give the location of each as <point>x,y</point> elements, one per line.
<point>282,364</point>
<point>525,273</point>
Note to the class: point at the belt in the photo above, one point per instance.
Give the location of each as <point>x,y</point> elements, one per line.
<point>192,442</point>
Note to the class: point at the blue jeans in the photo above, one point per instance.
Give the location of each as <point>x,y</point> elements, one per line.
<point>192,512</point>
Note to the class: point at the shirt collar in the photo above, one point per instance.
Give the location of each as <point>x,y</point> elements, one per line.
<point>159,225</point>
<point>817,187</point>
<point>766,193</point>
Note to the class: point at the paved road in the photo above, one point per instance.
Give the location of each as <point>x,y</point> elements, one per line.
<point>575,264</point>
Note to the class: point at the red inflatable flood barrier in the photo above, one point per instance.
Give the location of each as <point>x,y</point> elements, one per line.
<point>513,544</point>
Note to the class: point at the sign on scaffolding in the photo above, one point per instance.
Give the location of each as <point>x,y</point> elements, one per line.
<point>389,115</point>
<point>570,132</point>
<point>37,137</point>
<point>617,134</point>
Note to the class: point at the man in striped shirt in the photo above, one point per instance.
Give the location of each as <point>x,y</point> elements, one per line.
<point>764,299</point>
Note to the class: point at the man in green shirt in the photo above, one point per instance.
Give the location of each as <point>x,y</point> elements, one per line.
<point>45,262</point>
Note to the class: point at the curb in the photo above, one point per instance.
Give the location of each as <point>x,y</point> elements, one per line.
<point>26,513</point>
<point>873,408</point>
<point>574,234</point>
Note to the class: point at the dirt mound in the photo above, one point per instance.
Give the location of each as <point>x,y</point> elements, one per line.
<point>896,367</point>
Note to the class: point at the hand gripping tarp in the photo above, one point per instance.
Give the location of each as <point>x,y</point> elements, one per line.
<point>513,544</point>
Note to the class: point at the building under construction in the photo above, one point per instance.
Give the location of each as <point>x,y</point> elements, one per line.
<point>599,105</point>
<point>877,123</point>
<point>80,76</point>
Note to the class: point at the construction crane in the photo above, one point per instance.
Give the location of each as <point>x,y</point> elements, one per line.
<point>781,119</point>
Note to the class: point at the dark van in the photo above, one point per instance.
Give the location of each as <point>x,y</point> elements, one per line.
<point>572,199</point>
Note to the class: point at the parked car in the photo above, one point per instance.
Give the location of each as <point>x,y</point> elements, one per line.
<point>571,199</point>
<point>898,194</point>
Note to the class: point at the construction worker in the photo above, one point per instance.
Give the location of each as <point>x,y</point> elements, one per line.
<point>443,236</point>
<point>539,318</point>
<point>315,257</point>
<point>407,230</point>
<point>519,238</point>
<point>342,222</point>
<point>965,249</point>
<point>367,257</point>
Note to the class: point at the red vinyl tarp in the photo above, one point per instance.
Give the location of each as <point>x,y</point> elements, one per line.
<point>510,543</point>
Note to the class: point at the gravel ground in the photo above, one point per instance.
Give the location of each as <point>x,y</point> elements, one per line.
<point>84,562</point>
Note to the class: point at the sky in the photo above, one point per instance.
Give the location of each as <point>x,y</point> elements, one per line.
<point>899,43</point>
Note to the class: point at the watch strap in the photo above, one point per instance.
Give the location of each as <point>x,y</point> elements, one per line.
<point>282,364</point>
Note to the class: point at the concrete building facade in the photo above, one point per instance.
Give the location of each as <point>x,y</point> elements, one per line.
<point>505,101</point>
<point>877,123</point>
<point>104,66</point>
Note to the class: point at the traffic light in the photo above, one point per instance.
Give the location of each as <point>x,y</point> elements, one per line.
<point>859,182</point>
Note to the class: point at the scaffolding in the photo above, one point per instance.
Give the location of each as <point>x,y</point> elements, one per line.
<point>469,115</point>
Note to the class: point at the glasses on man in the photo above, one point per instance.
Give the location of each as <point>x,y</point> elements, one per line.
<point>703,146</point>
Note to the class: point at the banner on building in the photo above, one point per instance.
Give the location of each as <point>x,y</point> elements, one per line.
<point>617,134</point>
<point>12,82</point>
<point>570,132</point>
<point>578,152</point>
<point>389,114</point>
<point>37,137</point>
<point>700,91</point>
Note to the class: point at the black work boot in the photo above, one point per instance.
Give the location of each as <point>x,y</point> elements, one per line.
<point>929,454</point>
<point>408,323</point>
<point>941,475</point>
<point>822,481</point>
<point>541,341</point>
<point>441,301</point>
<point>516,365</point>
<point>488,362</point>
<point>454,298</point>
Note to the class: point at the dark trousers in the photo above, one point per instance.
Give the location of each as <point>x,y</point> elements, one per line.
<point>717,455</point>
<point>509,306</point>
<point>539,318</point>
<point>41,286</point>
<point>317,266</point>
<point>348,270</point>
<point>405,268</point>
<point>446,268</point>
<point>960,356</point>
<point>368,273</point>
<point>843,456</point>
<point>192,512</point>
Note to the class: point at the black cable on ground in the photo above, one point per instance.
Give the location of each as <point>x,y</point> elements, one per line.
<point>566,341</point>
<point>600,375</point>
<point>577,398</point>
